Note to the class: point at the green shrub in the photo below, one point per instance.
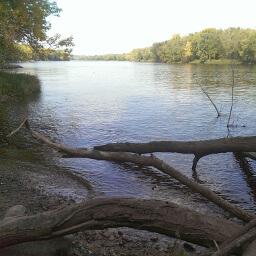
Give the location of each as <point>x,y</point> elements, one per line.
<point>18,84</point>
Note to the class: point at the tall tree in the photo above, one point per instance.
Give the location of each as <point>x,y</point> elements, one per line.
<point>24,21</point>
<point>209,44</point>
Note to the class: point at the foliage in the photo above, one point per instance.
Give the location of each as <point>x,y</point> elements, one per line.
<point>23,22</point>
<point>209,45</point>
<point>18,84</point>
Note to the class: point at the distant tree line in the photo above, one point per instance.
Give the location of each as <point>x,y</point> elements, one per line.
<point>210,44</point>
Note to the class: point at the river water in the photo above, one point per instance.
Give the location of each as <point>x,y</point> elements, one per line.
<point>87,103</point>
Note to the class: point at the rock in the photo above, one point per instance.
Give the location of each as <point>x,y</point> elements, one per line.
<point>12,66</point>
<point>189,246</point>
<point>111,238</point>
<point>4,145</point>
<point>126,238</point>
<point>106,234</point>
<point>154,239</point>
<point>250,250</point>
<point>25,145</point>
<point>120,233</point>
<point>53,247</point>
<point>112,252</point>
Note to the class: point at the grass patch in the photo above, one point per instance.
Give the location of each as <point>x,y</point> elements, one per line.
<point>217,62</point>
<point>12,84</point>
<point>223,61</point>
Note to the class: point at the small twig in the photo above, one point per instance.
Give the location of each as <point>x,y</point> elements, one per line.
<point>218,112</point>
<point>13,132</point>
<point>215,243</point>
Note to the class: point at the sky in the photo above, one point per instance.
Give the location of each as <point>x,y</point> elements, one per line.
<point>119,26</point>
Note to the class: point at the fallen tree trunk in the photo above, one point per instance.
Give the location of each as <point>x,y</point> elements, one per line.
<point>205,147</point>
<point>148,161</point>
<point>162,217</point>
<point>198,148</point>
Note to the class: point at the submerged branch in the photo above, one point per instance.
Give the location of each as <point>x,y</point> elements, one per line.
<point>208,96</point>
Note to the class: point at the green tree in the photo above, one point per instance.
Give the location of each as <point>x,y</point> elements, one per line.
<point>175,48</point>
<point>209,44</point>
<point>61,48</point>
<point>154,52</point>
<point>231,42</point>
<point>248,48</point>
<point>24,21</point>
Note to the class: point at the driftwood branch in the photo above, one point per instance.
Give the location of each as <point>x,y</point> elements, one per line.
<point>162,217</point>
<point>147,161</point>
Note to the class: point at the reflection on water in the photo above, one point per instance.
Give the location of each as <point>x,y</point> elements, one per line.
<point>84,104</point>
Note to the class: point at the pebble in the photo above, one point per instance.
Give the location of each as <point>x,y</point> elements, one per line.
<point>25,145</point>
<point>105,234</point>
<point>3,145</point>
<point>111,238</point>
<point>189,247</point>
<point>126,238</point>
<point>120,233</point>
<point>154,239</point>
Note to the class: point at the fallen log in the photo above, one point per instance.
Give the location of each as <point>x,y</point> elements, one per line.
<point>147,161</point>
<point>157,216</point>
<point>51,247</point>
<point>198,148</point>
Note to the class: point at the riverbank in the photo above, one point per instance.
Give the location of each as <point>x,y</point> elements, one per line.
<point>12,84</point>
<point>18,188</point>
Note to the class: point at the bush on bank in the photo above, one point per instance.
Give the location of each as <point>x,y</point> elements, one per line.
<point>12,84</point>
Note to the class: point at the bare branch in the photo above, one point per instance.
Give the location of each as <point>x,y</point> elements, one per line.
<point>16,130</point>
<point>208,96</point>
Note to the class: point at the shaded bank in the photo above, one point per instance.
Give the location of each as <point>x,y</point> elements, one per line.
<point>12,84</point>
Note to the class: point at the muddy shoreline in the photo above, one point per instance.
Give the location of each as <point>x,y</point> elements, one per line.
<point>18,188</point>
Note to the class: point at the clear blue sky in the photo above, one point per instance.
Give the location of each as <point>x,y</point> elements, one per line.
<point>119,26</point>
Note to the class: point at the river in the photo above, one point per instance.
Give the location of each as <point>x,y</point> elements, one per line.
<point>88,103</point>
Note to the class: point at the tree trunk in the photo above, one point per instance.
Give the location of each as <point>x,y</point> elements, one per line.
<point>200,148</point>
<point>162,217</point>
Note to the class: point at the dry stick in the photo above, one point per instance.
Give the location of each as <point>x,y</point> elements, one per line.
<point>232,96</point>
<point>218,113</point>
<point>13,132</point>
<point>148,161</point>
